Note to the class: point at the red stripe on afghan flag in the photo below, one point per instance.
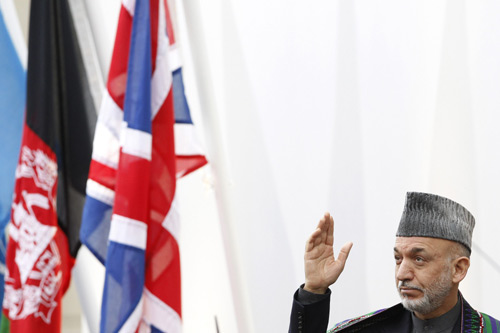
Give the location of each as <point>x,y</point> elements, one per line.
<point>38,261</point>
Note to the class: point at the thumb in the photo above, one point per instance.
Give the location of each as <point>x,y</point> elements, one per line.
<point>344,253</point>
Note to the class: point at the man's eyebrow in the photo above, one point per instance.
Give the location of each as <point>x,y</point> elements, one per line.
<point>414,250</point>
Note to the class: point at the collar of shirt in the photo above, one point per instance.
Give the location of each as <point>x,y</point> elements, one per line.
<point>440,324</point>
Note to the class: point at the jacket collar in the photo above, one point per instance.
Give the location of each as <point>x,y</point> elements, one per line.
<point>471,320</point>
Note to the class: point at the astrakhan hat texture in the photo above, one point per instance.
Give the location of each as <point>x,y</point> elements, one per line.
<point>430,215</point>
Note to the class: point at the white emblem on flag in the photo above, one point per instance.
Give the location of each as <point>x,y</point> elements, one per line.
<point>37,256</point>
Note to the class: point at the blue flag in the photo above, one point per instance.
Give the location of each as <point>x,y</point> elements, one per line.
<point>12,105</point>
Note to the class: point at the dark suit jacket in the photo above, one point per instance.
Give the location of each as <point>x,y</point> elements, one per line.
<point>313,318</point>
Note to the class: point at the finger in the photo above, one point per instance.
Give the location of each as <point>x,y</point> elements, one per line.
<point>319,235</point>
<point>344,253</point>
<point>326,215</point>
<point>323,219</point>
<point>329,231</point>
<point>325,226</point>
<point>313,239</point>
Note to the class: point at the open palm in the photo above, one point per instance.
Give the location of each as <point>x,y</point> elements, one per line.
<point>321,267</point>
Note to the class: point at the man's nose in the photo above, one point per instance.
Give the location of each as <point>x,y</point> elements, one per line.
<point>404,271</point>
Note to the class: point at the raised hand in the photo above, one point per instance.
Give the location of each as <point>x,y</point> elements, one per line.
<point>321,267</point>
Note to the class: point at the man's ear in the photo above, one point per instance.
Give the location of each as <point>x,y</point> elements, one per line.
<point>460,268</point>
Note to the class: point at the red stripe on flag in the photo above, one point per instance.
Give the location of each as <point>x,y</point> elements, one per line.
<point>34,214</point>
<point>163,268</point>
<point>103,174</point>
<point>117,77</point>
<point>163,161</point>
<point>187,164</point>
<point>132,192</point>
<point>170,27</point>
<point>153,11</point>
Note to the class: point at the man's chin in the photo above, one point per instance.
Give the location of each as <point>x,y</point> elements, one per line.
<point>420,305</point>
<point>413,305</point>
<point>413,300</point>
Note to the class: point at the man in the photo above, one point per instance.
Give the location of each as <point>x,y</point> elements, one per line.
<point>431,253</point>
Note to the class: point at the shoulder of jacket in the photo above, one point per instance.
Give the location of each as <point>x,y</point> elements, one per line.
<point>489,322</point>
<point>475,321</point>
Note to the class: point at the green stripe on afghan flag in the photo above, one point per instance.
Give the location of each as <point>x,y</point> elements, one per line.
<point>5,325</point>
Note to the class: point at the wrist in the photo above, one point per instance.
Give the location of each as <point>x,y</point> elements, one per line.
<point>315,289</point>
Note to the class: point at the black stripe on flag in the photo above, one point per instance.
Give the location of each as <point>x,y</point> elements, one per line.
<point>60,109</point>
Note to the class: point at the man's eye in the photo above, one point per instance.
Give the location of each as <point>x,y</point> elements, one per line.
<point>398,260</point>
<point>419,259</point>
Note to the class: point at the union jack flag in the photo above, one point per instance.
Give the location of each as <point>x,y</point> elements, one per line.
<point>130,221</point>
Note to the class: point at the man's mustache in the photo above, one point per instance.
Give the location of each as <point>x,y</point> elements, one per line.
<point>406,284</point>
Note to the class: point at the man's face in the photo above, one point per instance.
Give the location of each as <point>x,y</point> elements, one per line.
<point>423,273</point>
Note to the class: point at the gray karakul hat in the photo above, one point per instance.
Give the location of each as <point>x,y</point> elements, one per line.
<point>430,215</point>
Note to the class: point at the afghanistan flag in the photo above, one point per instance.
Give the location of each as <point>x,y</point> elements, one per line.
<point>51,173</point>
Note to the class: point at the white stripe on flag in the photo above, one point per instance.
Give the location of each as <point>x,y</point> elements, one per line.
<point>100,192</point>
<point>186,140</point>
<point>134,319</point>
<point>175,58</point>
<point>172,220</point>
<point>144,328</point>
<point>113,116</point>
<point>136,142</point>
<point>159,314</point>
<point>161,81</point>
<point>129,6</point>
<point>106,147</point>
<point>127,231</point>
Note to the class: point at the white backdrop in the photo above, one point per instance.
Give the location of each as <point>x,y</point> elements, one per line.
<point>323,105</point>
